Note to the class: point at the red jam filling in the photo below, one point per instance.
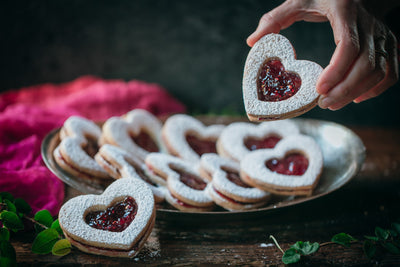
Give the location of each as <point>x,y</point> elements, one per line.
<point>254,143</point>
<point>115,218</point>
<point>190,179</point>
<point>143,175</point>
<point>234,177</point>
<point>201,146</point>
<point>276,84</point>
<point>145,141</point>
<point>292,164</point>
<point>91,148</point>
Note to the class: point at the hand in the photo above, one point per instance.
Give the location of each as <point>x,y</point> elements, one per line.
<point>364,63</point>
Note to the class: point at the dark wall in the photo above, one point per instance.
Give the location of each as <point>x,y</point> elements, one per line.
<point>195,49</point>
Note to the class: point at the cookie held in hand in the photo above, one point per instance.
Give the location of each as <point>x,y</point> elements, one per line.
<point>116,223</point>
<point>275,84</point>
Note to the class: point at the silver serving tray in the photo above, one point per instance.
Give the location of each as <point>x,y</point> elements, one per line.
<point>342,149</point>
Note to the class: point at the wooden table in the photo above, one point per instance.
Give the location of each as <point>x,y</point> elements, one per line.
<point>370,199</point>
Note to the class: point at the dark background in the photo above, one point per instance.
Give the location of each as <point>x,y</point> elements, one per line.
<point>195,49</point>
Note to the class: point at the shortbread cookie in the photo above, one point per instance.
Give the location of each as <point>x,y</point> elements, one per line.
<point>116,223</point>
<point>186,188</point>
<point>188,138</point>
<point>240,138</point>
<point>227,188</point>
<point>138,132</point>
<point>293,167</point>
<point>79,144</point>
<point>119,163</point>
<point>275,84</point>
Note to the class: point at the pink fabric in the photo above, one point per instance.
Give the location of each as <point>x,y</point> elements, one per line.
<point>27,115</point>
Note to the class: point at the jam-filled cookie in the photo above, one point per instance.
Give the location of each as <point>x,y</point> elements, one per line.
<point>116,223</point>
<point>275,84</point>
<point>186,137</point>
<point>186,188</point>
<point>293,167</point>
<point>240,138</point>
<point>119,163</point>
<point>75,153</point>
<point>138,132</point>
<point>227,188</point>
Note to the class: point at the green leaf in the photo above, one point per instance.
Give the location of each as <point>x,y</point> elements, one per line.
<point>44,217</point>
<point>7,262</point>
<point>382,234</point>
<point>373,238</point>
<point>45,241</point>
<point>11,221</point>
<point>391,248</point>
<point>7,251</point>
<point>305,248</point>
<point>396,227</point>
<point>6,195</point>
<point>61,247</point>
<point>369,249</point>
<point>56,225</point>
<point>343,239</point>
<point>10,206</point>
<point>290,256</point>
<point>4,234</point>
<point>22,206</point>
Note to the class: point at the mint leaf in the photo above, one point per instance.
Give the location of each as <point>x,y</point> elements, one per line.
<point>22,206</point>
<point>291,256</point>
<point>4,234</point>
<point>44,217</point>
<point>7,252</point>
<point>396,227</point>
<point>45,241</point>
<point>369,249</point>
<point>10,206</point>
<point>11,221</point>
<point>305,248</point>
<point>391,248</point>
<point>373,238</point>
<point>382,234</point>
<point>6,195</point>
<point>343,239</point>
<point>61,247</point>
<point>56,225</point>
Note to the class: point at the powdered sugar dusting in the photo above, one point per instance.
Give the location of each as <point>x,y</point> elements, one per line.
<point>79,126</point>
<point>231,140</point>
<point>253,165</point>
<point>176,128</point>
<point>72,215</point>
<point>277,46</point>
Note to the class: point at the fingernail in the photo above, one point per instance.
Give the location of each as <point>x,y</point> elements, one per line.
<point>324,102</point>
<point>323,88</point>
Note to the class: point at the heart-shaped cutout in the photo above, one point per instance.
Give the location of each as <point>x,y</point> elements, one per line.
<point>79,215</point>
<point>240,138</point>
<point>271,77</point>
<point>293,167</point>
<point>138,132</point>
<point>188,138</point>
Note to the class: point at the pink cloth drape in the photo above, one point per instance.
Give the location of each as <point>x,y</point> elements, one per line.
<point>27,115</point>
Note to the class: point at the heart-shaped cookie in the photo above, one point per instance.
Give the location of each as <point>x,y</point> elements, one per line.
<point>227,188</point>
<point>275,84</point>
<point>188,138</point>
<point>293,167</point>
<point>186,188</point>
<point>138,132</point>
<point>116,223</point>
<point>240,138</point>
<point>75,153</point>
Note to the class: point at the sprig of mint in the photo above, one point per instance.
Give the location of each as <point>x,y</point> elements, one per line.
<point>49,237</point>
<point>385,239</point>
